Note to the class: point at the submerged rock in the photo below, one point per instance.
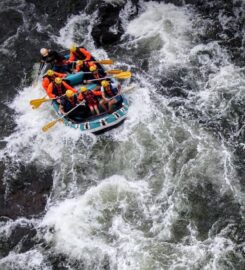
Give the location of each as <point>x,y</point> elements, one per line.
<point>108,29</point>
<point>27,193</point>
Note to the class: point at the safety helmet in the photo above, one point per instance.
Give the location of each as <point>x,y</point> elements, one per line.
<point>50,72</point>
<point>44,51</point>
<point>58,80</point>
<point>69,93</point>
<point>80,62</point>
<point>73,48</point>
<point>83,89</point>
<point>104,83</point>
<point>92,68</point>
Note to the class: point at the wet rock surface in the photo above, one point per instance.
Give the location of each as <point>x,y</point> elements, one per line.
<point>109,17</point>
<point>21,238</point>
<point>26,194</point>
<point>108,29</point>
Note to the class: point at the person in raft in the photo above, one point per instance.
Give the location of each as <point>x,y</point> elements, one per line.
<point>58,88</point>
<point>110,93</point>
<point>50,77</point>
<point>81,66</point>
<point>70,101</point>
<point>56,60</point>
<point>79,53</point>
<point>95,74</point>
<point>90,99</point>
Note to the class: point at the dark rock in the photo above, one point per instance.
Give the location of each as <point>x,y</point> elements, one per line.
<point>27,193</point>
<point>108,30</point>
<point>21,235</point>
<point>109,16</point>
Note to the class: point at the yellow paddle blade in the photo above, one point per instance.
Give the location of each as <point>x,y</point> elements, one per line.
<point>123,75</point>
<point>35,103</point>
<point>114,71</point>
<point>105,62</point>
<point>49,125</point>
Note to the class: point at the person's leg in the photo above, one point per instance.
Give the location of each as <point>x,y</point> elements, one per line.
<point>110,104</point>
<point>91,109</point>
<point>96,109</point>
<point>103,105</point>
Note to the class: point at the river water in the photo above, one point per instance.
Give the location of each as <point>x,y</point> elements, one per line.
<point>165,190</point>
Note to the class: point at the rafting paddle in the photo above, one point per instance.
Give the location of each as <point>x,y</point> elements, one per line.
<point>114,71</point>
<point>111,71</point>
<point>122,75</point>
<point>36,103</point>
<point>52,123</point>
<point>103,62</point>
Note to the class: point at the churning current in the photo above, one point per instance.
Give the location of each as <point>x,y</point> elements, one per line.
<point>164,190</point>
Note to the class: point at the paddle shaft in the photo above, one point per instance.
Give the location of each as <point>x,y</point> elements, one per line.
<point>100,79</point>
<point>64,115</point>
<point>122,91</point>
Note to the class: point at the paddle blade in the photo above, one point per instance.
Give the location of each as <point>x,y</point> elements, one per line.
<point>114,71</point>
<point>49,125</point>
<point>123,75</point>
<point>35,103</point>
<point>105,62</point>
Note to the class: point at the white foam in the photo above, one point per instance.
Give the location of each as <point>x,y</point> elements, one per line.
<point>78,31</point>
<point>115,2</point>
<point>29,260</point>
<point>165,24</point>
<point>29,143</point>
<point>84,228</point>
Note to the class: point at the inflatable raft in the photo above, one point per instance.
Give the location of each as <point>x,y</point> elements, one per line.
<point>94,123</point>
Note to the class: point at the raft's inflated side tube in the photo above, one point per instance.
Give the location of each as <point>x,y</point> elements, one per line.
<point>98,123</point>
<point>74,79</point>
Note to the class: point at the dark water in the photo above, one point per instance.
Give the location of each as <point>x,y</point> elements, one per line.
<point>163,191</point>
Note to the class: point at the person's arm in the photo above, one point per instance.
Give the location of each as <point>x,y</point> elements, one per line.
<point>72,57</point>
<point>68,87</point>
<point>61,108</point>
<point>86,53</point>
<point>78,68</point>
<point>80,97</point>
<point>119,88</point>
<point>97,93</point>
<point>50,91</point>
<point>42,63</point>
<point>103,94</point>
<point>45,84</point>
<point>60,75</point>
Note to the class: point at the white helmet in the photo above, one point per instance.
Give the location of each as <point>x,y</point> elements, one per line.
<point>44,52</point>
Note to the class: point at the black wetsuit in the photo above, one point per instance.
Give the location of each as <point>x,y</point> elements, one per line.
<point>55,60</point>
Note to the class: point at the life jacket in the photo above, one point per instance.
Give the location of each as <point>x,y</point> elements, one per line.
<point>90,98</point>
<point>84,68</point>
<point>110,91</point>
<point>79,54</point>
<point>96,75</point>
<point>69,104</point>
<point>59,89</point>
